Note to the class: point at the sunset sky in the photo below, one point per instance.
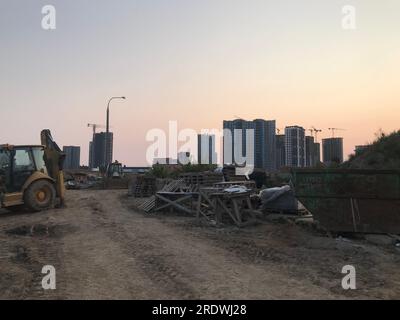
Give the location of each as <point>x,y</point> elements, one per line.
<point>198,62</point>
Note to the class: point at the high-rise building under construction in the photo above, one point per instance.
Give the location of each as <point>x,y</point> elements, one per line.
<point>332,150</point>
<point>97,150</point>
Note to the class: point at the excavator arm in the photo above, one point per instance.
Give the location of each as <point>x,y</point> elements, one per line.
<point>54,159</point>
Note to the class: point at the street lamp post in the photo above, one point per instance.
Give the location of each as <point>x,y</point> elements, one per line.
<point>108,130</point>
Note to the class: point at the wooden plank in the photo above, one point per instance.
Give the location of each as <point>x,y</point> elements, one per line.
<point>207,199</point>
<point>236,210</point>
<point>249,205</point>
<point>174,204</point>
<point>198,211</point>
<point>222,204</point>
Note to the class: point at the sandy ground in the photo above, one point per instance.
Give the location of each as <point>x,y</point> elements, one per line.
<point>102,249</point>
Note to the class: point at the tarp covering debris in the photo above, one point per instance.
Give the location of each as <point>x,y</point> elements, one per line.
<point>279,199</point>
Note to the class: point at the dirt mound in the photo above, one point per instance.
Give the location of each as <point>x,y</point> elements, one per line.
<point>383,153</point>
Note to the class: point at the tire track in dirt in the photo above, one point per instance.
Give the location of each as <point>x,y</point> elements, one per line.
<point>103,250</point>
<point>156,266</point>
<point>321,258</point>
<point>35,246</point>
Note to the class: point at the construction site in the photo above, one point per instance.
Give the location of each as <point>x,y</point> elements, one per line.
<point>204,234</point>
<point>181,151</point>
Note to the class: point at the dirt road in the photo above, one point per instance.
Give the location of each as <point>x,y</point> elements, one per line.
<point>101,248</point>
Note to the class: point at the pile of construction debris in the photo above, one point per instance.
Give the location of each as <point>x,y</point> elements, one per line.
<point>208,196</point>
<point>339,200</point>
<point>80,180</point>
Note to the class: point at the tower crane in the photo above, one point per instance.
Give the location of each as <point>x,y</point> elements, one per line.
<point>316,131</point>
<point>335,129</point>
<point>95,126</point>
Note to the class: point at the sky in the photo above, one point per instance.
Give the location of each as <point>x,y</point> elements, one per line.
<point>198,62</point>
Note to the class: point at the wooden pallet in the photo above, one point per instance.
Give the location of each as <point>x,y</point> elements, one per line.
<point>213,203</point>
<point>176,201</point>
<point>143,186</point>
<point>149,203</point>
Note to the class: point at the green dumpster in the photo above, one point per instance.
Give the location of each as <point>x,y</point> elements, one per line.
<point>349,200</point>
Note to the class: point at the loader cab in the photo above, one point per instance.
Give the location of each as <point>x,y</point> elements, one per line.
<point>114,170</point>
<point>18,163</point>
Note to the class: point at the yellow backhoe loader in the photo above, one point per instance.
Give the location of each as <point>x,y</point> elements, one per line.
<point>32,176</point>
<point>114,177</point>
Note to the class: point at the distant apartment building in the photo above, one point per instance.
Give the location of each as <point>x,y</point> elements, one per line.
<point>280,151</point>
<point>317,153</point>
<point>73,157</point>
<point>360,149</point>
<point>206,149</point>
<point>235,143</point>
<point>313,152</point>
<point>109,140</point>
<point>309,151</point>
<point>295,146</point>
<point>264,142</point>
<point>91,155</point>
<point>97,150</point>
<point>332,150</point>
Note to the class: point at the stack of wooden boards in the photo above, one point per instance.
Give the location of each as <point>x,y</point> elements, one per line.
<point>148,204</point>
<point>203,195</point>
<point>142,186</point>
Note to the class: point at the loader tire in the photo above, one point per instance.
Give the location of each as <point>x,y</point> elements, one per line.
<point>40,195</point>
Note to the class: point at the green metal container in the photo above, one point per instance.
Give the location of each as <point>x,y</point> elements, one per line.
<point>349,200</point>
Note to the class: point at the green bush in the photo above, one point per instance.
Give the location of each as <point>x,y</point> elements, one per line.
<point>173,171</point>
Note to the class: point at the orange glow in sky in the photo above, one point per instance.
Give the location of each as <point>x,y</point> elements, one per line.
<point>197,62</point>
